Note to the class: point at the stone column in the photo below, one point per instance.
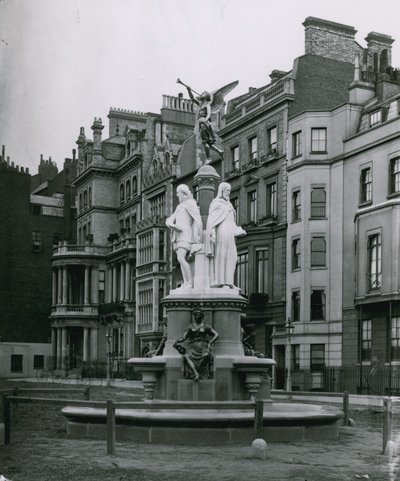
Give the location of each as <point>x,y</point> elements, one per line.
<point>119,345</point>
<point>54,288</point>
<point>93,344</point>
<point>122,282</point>
<point>109,284</point>
<point>95,285</point>
<point>59,353</point>
<point>87,285</point>
<point>114,283</point>
<point>127,281</point>
<point>59,284</point>
<point>85,344</point>
<point>53,347</point>
<point>64,348</point>
<point>64,286</point>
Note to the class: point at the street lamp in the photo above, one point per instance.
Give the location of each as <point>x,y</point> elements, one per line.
<point>289,328</point>
<point>108,354</point>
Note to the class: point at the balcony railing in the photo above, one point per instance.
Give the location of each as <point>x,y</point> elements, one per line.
<point>74,309</point>
<point>73,250</point>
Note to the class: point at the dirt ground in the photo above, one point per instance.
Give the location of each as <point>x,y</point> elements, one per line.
<point>41,451</point>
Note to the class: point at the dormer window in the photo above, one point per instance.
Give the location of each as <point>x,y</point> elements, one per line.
<point>375,118</point>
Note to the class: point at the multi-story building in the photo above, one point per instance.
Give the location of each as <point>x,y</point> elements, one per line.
<point>332,142</point>
<point>35,215</point>
<point>110,284</point>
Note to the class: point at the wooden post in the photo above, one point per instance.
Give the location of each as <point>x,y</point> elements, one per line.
<point>110,427</point>
<point>259,417</point>
<point>6,418</point>
<point>387,423</point>
<point>346,408</point>
<point>87,393</point>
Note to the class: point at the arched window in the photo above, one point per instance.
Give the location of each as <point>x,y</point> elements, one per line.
<point>122,193</point>
<point>155,165</point>
<point>85,200</point>
<point>318,202</point>
<point>80,201</point>
<point>90,196</point>
<point>318,252</point>
<point>134,185</point>
<point>128,189</point>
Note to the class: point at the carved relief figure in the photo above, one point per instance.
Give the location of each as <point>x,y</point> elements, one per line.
<point>198,356</point>
<point>186,226</point>
<point>209,104</point>
<point>221,232</point>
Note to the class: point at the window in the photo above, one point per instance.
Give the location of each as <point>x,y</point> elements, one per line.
<point>272,208</point>
<point>161,245</point>
<point>296,206</point>
<point>127,224</point>
<point>318,140</point>
<point>395,175</point>
<point>56,238</point>
<point>296,306</point>
<point>317,356</point>
<point>375,118</point>
<point>157,205</point>
<point>252,206</point>
<point>122,193</point>
<point>16,363</point>
<point>85,199</point>
<point>121,225</point>
<point>80,202</point>
<point>317,305</point>
<point>271,139</point>
<point>235,158</point>
<point>145,250</point>
<point>128,189</point>
<point>318,202</point>
<point>374,261</point>
<point>395,338</point>
<point>235,204</point>
<point>366,339</point>
<point>296,255</point>
<point>366,185</point>
<point>102,279</point>
<point>296,144</point>
<point>134,185</point>
<point>241,272</point>
<point>90,196</point>
<point>295,357</point>
<point>262,270</point>
<point>36,209</point>
<point>36,241</point>
<point>253,149</point>
<point>318,252</point>
<point>38,361</point>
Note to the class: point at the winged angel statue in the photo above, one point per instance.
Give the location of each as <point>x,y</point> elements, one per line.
<point>209,104</point>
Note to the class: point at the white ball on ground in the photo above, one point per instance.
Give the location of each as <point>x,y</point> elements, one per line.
<point>259,448</point>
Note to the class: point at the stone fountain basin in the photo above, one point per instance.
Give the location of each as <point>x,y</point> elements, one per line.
<point>207,423</point>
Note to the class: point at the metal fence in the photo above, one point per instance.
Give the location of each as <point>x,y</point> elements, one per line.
<point>380,380</point>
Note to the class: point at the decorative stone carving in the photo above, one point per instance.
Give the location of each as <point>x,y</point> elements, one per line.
<point>186,226</point>
<point>221,232</point>
<point>210,103</point>
<point>198,356</point>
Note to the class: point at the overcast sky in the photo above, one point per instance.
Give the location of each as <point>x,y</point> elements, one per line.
<point>64,62</point>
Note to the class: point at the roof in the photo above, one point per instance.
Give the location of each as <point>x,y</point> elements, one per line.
<point>116,139</point>
<point>321,83</point>
<point>56,201</point>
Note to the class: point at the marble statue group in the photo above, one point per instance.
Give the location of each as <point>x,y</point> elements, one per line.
<point>219,236</point>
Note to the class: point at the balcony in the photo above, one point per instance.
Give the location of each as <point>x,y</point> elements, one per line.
<point>272,155</point>
<point>111,308</point>
<point>268,220</point>
<point>153,221</point>
<point>253,164</point>
<point>74,310</point>
<point>233,173</point>
<point>63,249</point>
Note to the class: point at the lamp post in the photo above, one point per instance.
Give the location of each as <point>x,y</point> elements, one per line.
<point>289,328</point>
<point>108,354</point>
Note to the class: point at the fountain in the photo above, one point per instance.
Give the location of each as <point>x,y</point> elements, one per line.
<point>201,388</point>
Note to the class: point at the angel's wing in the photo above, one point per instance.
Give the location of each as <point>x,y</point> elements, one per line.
<point>218,96</point>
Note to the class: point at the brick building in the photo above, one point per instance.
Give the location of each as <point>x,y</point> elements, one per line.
<point>31,224</point>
